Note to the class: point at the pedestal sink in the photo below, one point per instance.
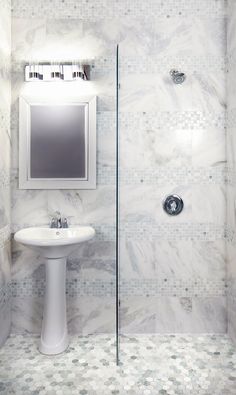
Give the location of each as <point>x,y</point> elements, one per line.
<point>54,245</point>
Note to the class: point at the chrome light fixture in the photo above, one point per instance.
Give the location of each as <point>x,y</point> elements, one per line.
<point>80,72</point>
<point>34,73</point>
<point>57,72</point>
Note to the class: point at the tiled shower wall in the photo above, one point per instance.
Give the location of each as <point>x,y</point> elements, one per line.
<point>231,159</point>
<point>5,146</point>
<point>172,140</point>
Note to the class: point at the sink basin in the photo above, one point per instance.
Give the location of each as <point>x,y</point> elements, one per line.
<point>54,245</point>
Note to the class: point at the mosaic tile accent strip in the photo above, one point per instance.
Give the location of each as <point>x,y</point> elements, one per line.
<point>106,175</point>
<point>230,176</point>
<point>229,234</point>
<point>4,235</point>
<point>74,287</point>
<point>172,120</point>
<point>149,364</point>
<point>156,63</point>
<point>103,9</point>
<point>183,175</point>
<point>131,287</point>
<point>4,179</point>
<point>138,230</point>
<point>5,294</point>
<point>5,121</point>
<point>172,287</point>
<point>231,118</point>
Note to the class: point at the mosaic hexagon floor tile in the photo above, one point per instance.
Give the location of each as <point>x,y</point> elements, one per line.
<point>149,364</point>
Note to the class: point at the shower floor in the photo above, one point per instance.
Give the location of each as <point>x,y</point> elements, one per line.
<point>150,364</point>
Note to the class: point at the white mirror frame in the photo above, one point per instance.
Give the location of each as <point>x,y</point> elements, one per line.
<point>25,181</point>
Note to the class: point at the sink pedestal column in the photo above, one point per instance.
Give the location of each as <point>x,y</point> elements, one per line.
<point>54,337</point>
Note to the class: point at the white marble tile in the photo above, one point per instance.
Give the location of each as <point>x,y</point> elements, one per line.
<point>173,315</point>
<point>28,39</point>
<point>5,32</point>
<point>231,207</point>
<point>231,146</point>
<point>231,267</point>
<point>147,201</point>
<point>209,204</point>
<point>231,27</point>
<point>5,264</point>
<point>175,36</point>
<point>197,315</point>
<point>80,207</point>
<point>231,318</point>
<point>152,147</point>
<point>177,260</point>
<point>88,315</point>
<point>5,213</point>
<point>24,261</point>
<point>85,315</point>
<point>208,147</point>
<point>151,92</point>
<point>138,315</point>
<point>27,314</point>
<point>231,84</point>
<point>5,320</point>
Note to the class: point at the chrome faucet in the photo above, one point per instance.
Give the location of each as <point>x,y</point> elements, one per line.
<point>58,222</point>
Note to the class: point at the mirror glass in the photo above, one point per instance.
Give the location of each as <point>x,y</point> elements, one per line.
<point>58,143</point>
<point>57,147</point>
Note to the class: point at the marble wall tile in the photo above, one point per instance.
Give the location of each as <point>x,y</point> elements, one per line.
<point>173,315</point>
<point>173,260</point>
<point>231,26</point>
<point>211,208</point>
<point>208,147</point>
<point>133,201</point>
<point>85,315</point>
<point>231,155</point>
<point>93,260</point>
<point>154,147</point>
<point>231,317</point>
<point>200,92</point>
<point>5,146</point>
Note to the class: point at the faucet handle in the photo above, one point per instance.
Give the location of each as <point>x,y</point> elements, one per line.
<point>64,223</point>
<point>54,223</point>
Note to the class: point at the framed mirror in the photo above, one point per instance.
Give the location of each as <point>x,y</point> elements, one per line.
<point>57,147</point>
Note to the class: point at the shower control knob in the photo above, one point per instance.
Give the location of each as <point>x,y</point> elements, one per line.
<point>177,76</point>
<point>173,205</point>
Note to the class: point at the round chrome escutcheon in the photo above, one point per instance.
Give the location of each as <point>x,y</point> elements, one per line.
<point>173,205</point>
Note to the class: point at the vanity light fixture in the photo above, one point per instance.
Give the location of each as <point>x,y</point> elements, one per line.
<point>80,72</point>
<point>34,73</point>
<point>57,72</point>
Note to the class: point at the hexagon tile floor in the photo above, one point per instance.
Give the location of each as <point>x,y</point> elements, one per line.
<point>150,364</point>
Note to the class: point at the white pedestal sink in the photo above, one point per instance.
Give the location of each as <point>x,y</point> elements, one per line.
<point>54,245</point>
